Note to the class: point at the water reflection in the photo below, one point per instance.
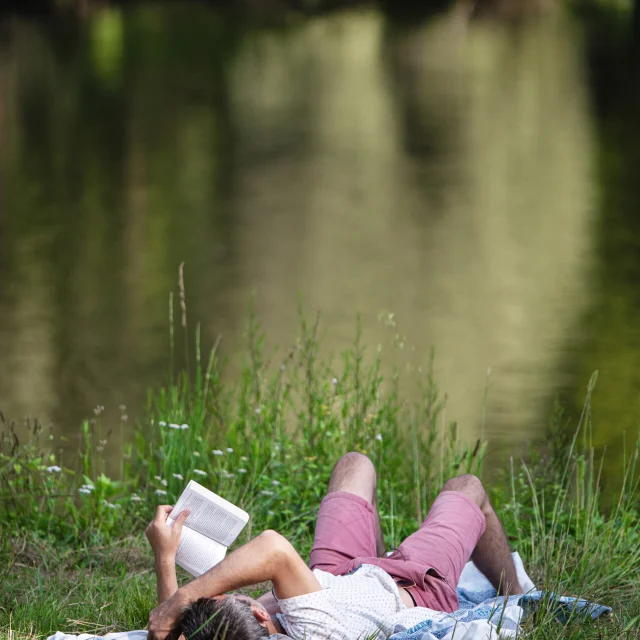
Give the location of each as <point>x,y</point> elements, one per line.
<point>443,172</point>
<point>611,327</point>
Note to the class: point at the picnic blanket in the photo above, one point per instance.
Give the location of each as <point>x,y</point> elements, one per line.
<point>482,614</point>
<point>485,616</point>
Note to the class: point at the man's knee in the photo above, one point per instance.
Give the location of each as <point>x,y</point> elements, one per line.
<point>354,462</point>
<point>470,486</point>
<point>355,473</point>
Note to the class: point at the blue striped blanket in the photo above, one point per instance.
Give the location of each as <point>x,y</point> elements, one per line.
<point>484,616</point>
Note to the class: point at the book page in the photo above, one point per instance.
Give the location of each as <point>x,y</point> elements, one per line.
<point>211,515</point>
<point>197,553</point>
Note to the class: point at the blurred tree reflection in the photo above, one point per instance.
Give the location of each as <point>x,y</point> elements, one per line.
<point>613,319</point>
<point>442,170</point>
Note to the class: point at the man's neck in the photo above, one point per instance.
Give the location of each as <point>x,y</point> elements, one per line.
<point>277,627</point>
<point>270,603</point>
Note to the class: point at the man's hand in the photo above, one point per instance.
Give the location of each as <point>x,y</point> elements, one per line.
<point>163,618</point>
<point>164,539</point>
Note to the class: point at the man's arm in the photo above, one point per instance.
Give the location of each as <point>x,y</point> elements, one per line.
<point>270,556</point>
<point>164,541</point>
<point>166,578</point>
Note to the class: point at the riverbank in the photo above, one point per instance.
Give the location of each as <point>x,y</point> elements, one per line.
<point>72,554</point>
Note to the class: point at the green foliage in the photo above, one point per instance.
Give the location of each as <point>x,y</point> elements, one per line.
<point>552,509</point>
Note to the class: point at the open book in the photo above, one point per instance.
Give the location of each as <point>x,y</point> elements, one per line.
<point>212,526</point>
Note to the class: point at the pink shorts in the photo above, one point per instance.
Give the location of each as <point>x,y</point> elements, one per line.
<point>428,563</point>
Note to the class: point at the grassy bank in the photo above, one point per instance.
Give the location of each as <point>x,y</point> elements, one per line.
<point>72,555</point>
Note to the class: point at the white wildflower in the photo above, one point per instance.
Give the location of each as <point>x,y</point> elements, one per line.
<point>110,505</point>
<point>136,498</point>
<point>161,492</point>
<point>258,410</point>
<point>163,482</point>
<point>267,493</point>
<point>84,490</point>
<point>271,513</point>
<point>184,426</point>
<point>54,468</point>
<point>226,474</point>
<point>275,483</point>
<point>178,476</point>
<point>242,471</point>
<point>243,458</point>
<point>173,425</point>
<point>196,454</point>
<point>162,423</point>
<point>200,472</point>
<point>88,488</point>
<point>335,380</point>
<point>158,478</point>
<point>217,452</point>
<point>229,450</point>
<point>379,437</point>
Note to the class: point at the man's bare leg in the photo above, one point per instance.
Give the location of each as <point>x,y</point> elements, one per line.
<point>492,554</point>
<point>355,473</point>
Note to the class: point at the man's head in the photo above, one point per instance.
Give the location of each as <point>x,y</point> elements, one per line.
<point>233,617</point>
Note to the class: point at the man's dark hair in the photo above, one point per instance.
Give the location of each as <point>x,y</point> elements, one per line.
<point>227,619</point>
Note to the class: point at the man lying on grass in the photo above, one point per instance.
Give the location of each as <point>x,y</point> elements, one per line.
<point>350,590</point>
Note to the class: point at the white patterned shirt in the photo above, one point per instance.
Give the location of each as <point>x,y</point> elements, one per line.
<point>362,605</point>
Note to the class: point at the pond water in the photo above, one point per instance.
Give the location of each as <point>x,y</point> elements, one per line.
<point>476,176</point>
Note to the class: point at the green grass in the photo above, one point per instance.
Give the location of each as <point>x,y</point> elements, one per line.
<point>78,562</point>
